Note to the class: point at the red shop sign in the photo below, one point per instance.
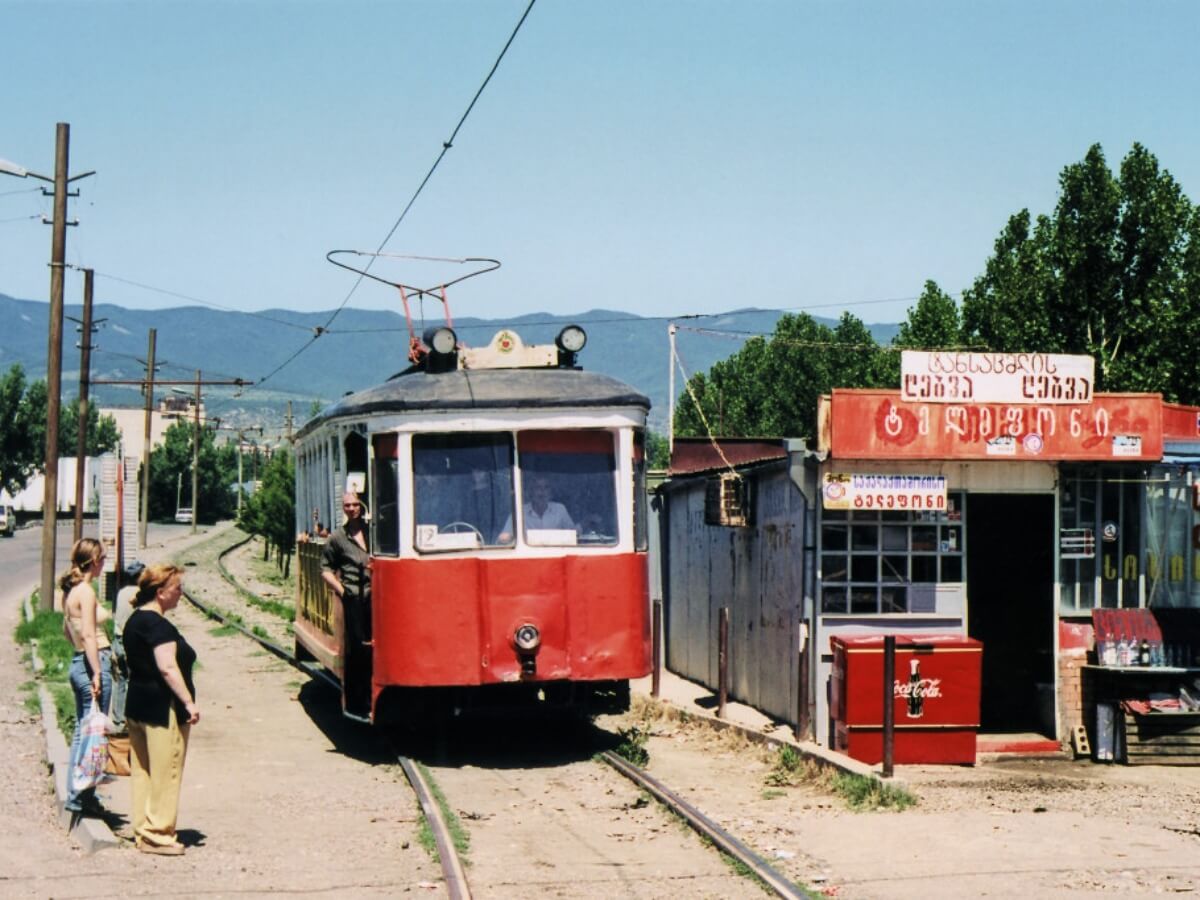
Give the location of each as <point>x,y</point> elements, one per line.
<point>877,424</point>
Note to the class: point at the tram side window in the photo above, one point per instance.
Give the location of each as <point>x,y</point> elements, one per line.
<point>462,490</point>
<point>387,494</point>
<point>568,482</point>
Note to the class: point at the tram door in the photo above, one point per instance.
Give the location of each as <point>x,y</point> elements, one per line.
<point>1010,604</point>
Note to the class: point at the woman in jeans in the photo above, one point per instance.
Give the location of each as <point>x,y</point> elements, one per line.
<point>160,709</point>
<point>83,624</point>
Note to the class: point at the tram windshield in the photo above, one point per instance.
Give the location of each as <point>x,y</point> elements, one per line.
<point>568,484</point>
<point>462,490</point>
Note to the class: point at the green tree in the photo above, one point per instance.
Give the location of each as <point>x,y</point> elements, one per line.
<point>171,475</point>
<point>1112,274</point>
<point>771,388</point>
<point>20,453</point>
<point>23,412</point>
<point>270,512</point>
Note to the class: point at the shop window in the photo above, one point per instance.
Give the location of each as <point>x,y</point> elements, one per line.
<point>887,562</point>
<point>1141,519</point>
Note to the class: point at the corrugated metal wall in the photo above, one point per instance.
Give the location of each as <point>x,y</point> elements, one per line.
<point>758,572</point>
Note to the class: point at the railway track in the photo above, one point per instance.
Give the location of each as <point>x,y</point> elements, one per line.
<point>453,870</point>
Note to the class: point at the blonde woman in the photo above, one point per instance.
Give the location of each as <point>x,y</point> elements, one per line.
<point>160,709</point>
<point>83,624</point>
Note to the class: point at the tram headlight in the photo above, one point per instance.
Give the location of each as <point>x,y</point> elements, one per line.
<point>443,349</point>
<point>572,339</point>
<point>527,638</point>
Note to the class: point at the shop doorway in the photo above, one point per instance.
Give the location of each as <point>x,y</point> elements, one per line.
<point>1010,607</point>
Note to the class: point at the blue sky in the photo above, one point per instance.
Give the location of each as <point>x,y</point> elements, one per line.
<point>659,158</point>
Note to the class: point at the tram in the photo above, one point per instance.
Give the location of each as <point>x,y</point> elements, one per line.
<point>507,529</point>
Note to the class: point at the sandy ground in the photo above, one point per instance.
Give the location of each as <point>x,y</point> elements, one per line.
<point>282,796</point>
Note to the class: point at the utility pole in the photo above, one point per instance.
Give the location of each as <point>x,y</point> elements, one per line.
<point>85,371</point>
<point>289,421</point>
<point>196,457</point>
<point>149,386</point>
<point>58,247</point>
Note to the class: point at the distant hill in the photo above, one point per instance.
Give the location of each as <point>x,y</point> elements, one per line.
<point>362,347</point>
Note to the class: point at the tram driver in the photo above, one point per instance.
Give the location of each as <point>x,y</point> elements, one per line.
<point>346,568</point>
<point>540,511</point>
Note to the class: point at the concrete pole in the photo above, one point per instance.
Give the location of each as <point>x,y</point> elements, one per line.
<point>85,364</point>
<point>149,385</point>
<point>58,247</point>
<point>196,457</point>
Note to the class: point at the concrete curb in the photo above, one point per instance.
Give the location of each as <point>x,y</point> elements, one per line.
<point>815,752</point>
<point>92,834</point>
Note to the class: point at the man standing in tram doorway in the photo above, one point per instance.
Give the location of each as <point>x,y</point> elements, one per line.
<point>346,568</point>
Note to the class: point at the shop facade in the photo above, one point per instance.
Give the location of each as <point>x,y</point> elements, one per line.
<point>1006,521</point>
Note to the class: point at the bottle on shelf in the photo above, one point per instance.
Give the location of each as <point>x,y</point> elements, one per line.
<point>1144,653</point>
<point>1110,651</point>
<point>1122,650</point>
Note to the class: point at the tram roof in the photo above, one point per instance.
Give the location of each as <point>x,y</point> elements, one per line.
<point>485,389</point>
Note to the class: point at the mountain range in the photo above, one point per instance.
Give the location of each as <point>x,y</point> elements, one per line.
<point>307,363</point>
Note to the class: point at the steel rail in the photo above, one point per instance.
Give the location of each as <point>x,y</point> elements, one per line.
<point>707,827</point>
<point>452,868</point>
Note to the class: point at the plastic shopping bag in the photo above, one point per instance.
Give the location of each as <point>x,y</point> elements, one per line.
<point>88,770</point>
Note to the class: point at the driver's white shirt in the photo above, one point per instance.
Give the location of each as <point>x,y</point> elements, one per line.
<point>554,516</point>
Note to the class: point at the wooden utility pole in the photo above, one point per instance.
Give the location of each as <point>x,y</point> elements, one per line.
<point>85,364</point>
<point>148,384</point>
<point>58,248</point>
<point>196,457</point>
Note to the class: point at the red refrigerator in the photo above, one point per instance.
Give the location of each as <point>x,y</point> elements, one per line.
<point>935,697</point>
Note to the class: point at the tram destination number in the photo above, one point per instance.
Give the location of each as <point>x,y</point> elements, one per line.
<point>950,377</point>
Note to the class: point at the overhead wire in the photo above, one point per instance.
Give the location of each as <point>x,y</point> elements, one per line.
<point>446,145</point>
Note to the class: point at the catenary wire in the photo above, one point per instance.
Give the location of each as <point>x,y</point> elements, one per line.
<point>446,145</point>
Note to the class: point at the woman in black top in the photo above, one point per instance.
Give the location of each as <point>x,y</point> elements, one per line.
<point>160,709</point>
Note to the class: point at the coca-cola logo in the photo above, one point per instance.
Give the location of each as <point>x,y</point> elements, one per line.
<point>926,687</point>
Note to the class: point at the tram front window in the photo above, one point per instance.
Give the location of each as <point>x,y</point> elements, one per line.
<point>568,483</point>
<point>462,490</point>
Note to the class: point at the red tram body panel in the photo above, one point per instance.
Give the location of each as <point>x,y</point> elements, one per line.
<point>592,614</point>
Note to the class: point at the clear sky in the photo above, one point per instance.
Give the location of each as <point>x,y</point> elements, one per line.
<point>655,157</point>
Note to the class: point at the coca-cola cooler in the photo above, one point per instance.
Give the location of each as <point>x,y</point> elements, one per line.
<point>935,697</point>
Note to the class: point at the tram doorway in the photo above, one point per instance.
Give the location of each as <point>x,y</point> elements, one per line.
<point>1010,606</point>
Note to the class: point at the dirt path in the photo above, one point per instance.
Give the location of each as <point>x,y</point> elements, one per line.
<point>1026,829</point>
<point>281,796</point>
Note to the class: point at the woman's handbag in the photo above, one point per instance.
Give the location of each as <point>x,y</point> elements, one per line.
<point>88,770</point>
<point>118,755</point>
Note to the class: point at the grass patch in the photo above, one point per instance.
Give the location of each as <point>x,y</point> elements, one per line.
<point>633,745</point>
<point>773,794</point>
<point>862,793</point>
<point>223,631</point>
<point>29,692</point>
<point>64,707</point>
<point>458,834</point>
<point>793,768</point>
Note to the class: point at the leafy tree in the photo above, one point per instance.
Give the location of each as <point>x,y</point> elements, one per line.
<point>1112,273</point>
<point>20,454</point>
<point>658,453</point>
<point>270,512</point>
<point>772,387</point>
<point>171,475</point>
<point>23,412</point>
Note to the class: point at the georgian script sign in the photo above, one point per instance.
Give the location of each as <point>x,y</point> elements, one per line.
<point>878,424</point>
<point>1012,378</point>
<point>905,492</point>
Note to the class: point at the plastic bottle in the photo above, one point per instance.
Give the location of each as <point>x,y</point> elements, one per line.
<point>1144,653</point>
<point>1110,652</point>
<point>1122,650</point>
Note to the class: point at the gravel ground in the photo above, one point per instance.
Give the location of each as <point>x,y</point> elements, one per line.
<point>282,796</point>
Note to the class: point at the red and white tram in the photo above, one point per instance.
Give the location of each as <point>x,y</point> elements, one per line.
<point>505,489</point>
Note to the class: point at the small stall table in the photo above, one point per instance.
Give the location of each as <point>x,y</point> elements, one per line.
<point>1145,736</point>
